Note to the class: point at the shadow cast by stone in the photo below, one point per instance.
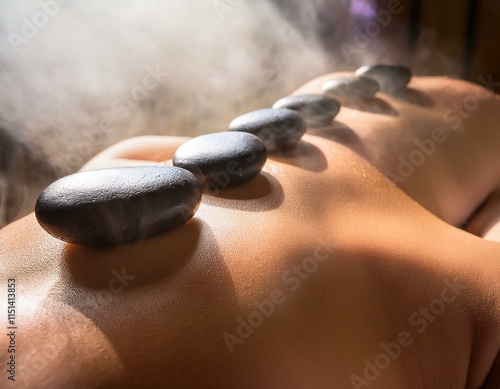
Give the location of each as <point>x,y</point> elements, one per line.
<point>261,193</point>
<point>343,134</point>
<point>414,96</point>
<point>160,256</point>
<point>304,155</point>
<point>368,104</point>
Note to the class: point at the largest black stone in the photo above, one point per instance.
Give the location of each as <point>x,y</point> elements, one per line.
<point>112,206</point>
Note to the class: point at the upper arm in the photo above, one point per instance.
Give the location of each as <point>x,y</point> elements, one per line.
<point>137,151</point>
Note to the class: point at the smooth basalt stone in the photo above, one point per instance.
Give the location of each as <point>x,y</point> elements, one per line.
<point>391,78</point>
<point>222,159</point>
<point>358,86</point>
<point>317,110</point>
<point>112,206</point>
<point>279,128</point>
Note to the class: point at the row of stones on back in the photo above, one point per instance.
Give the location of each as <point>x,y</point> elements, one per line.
<point>230,158</point>
<point>120,205</point>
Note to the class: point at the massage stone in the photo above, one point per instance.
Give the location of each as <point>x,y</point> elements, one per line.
<point>357,86</point>
<point>222,159</point>
<point>278,128</point>
<point>317,110</point>
<point>391,78</point>
<point>118,205</point>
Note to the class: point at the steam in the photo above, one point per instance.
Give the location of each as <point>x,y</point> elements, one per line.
<point>77,76</point>
<point>65,78</point>
<point>73,72</point>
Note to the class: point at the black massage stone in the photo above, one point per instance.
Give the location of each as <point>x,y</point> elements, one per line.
<point>119,205</point>
<point>317,110</point>
<point>222,159</point>
<point>278,128</point>
<point>357,86</point>
<point>391,78</point>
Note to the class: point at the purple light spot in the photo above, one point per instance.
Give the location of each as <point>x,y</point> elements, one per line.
<point>363,8</point>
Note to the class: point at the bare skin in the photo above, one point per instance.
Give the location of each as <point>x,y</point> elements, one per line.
<point>348,259</point>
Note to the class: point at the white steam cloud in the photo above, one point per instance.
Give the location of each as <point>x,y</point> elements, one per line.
<point>77,76</point>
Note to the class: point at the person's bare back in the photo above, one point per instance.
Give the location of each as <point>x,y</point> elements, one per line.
<point>318,273</point>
